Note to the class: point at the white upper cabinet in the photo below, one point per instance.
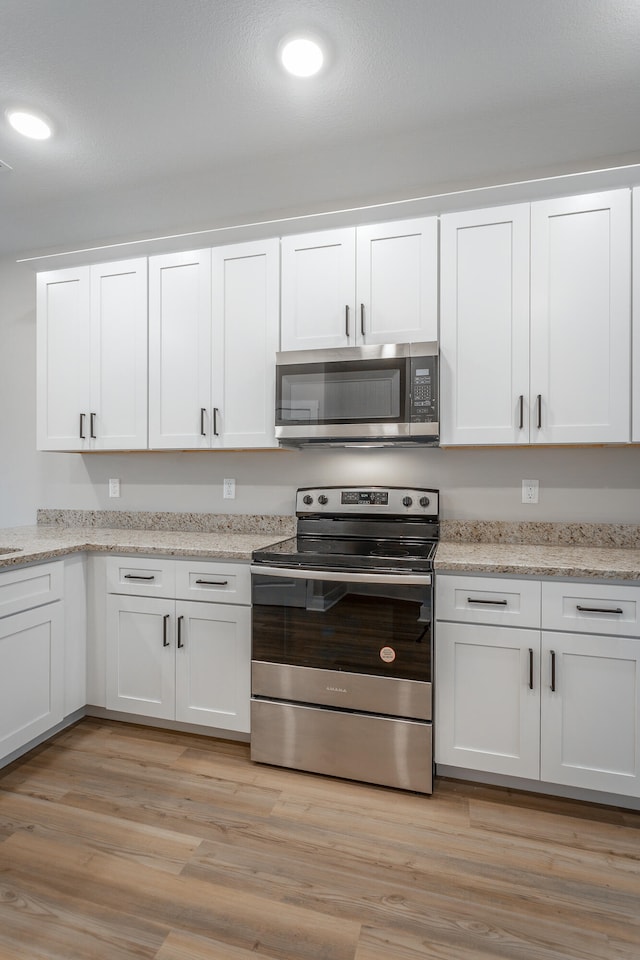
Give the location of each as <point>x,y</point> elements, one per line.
<point>397,281</point>
<point>245,340</point>
<point>119,356</point>
<point>319,290</point>
<point>549,364</point>
<point>213,334</point>
<point>63,358</point>
<point>92,357</point>
<point>635,410</point>
<point>581,319</point>
<point>484,328</point>
<point>373,284</point>
<point>180,350</point>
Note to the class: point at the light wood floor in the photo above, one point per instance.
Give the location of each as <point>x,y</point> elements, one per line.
<point>125,842</point>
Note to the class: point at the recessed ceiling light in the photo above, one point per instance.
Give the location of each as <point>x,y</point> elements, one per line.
<point>29,125</point>
<point>301,56</point>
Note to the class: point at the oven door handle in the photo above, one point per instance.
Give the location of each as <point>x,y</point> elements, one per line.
<point>301,573</point>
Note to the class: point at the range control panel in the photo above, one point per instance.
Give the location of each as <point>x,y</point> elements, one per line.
<point>385,501</point>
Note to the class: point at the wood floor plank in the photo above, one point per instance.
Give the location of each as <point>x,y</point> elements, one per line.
<point>180,848</point>
<point>250,921</point>
<point>185,946</point>
<point>156,847</point>
<point>49,925</point>
<point>612,839</point>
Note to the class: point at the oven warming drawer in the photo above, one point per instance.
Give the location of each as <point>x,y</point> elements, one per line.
<point>355,746</point>
<point>338,688</point>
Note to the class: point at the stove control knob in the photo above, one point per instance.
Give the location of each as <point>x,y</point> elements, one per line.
<point>322,499</point>
<point>407,501</point>
<point>424,501</point>
<point>307,499</point>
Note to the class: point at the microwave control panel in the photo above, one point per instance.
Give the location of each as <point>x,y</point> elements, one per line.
<point>424,389</point>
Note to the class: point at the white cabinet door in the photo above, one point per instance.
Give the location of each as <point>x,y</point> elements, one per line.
<point>140,656</point>
<point>580,319</point>
<point>180,415</point>
<point>63,359</point>
<point>31,675</point>
<point>635,367</point>
<point>213,665</point>
<point>488,698</point>
<point>591,717</point>
<point>484,326</point>
<point>118,409</point>
<point>319,290</point>
<point>397,281</point>
<point>245,284</point>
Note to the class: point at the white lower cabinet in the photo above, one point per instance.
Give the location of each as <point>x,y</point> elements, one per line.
<point>487,715</point>
<point>31,675</point>
<point>186,660</point>
<point>558,706</point>
<point>590,708</point>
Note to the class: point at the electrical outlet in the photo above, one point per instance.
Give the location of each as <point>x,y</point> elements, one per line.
<point>530,491</point>
<point>114,488</point>
<point>229,489</point>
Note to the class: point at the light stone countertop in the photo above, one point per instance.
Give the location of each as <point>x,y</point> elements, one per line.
<point>589,551</point>
<point>539,560</point>
<point>46,542</point>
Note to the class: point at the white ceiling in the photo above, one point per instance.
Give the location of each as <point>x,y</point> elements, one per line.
<point>174,115</point>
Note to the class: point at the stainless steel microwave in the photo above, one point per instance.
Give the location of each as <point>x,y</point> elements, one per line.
<point>379,395</point>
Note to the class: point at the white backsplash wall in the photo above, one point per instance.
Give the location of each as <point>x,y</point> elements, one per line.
<point>600,483</point>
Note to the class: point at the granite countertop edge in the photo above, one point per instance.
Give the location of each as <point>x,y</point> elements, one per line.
<point>539,560</point>
<point>43,542</point>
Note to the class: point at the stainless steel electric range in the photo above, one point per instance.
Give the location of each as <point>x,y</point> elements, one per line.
<point>342,637</point>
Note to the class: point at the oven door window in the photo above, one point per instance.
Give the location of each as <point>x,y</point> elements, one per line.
<point>350,392</point>
<point>376,629</point>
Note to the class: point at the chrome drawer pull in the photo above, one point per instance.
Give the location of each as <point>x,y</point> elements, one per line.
<point>495,603</point>
<point>618,610</point>
<point>213,583</point>
<point>137,576</point>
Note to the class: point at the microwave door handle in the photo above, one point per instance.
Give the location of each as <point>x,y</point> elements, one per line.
<point>342,576</point>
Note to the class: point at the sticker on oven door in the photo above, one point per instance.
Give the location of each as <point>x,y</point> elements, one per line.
<point>388,654</point>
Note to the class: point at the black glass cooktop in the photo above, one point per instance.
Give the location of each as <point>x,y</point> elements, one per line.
<point>353,554</point>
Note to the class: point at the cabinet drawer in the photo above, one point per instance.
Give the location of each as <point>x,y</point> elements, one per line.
<point>206,580</point>
<point>141,577</point>
<point>29,587</point>
<point>488,600</point>
<point>591,608</point>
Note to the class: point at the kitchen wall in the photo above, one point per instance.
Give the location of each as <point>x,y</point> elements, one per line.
<point>599,483</point>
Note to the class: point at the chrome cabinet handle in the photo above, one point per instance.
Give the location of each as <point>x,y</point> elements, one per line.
<point>346,320</point>
<point>92,426</point>
<point>138,576</point>
<point>521,408</point>
<point>553,671</point>
<point>165,624</point>
<point>539,411</point>
<point>617,610</point>
<point>362,330</point>
<point>215,421</point>
<point>180,643</point>
<point>530,668</point>
<point>214,583</point>
<point>496,603</point>
<point>82,436</point>
<point>203,432</point>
